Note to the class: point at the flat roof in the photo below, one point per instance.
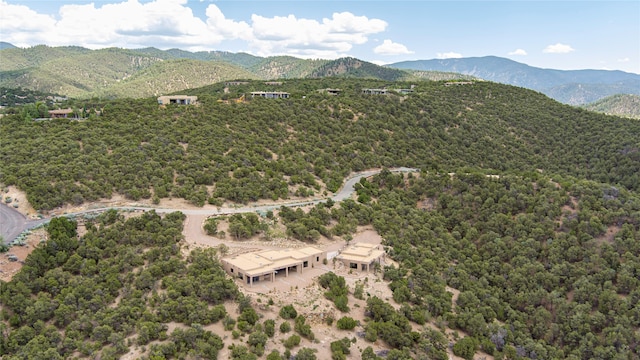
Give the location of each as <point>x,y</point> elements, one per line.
<point>361,252</point>
<point>61,111</point>
<point>177,97</point>
<point>268,261</point>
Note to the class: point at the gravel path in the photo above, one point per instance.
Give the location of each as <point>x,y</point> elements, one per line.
<point>12,223</point>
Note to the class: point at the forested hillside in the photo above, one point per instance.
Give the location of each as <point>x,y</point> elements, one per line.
<point>98,295</point>
<point>545,269</point>
<point>526,209</point>
<point>111,73</point>
<point>260,148</point>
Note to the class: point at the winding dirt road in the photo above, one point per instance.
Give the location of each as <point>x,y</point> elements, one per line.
<point>12,223</point>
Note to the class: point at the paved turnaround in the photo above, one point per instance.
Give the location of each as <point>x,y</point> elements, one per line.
<point>12,223</point>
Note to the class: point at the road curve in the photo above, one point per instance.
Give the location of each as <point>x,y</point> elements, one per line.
<point>12,223</point>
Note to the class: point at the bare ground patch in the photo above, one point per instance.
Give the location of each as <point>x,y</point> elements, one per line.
<point>9,268</point>
<point>18,201</point>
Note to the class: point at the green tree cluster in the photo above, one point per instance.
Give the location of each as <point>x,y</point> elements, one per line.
<point>337,289</point>
<point>124,278</point>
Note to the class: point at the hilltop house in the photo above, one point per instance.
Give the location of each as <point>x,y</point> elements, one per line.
<point>266,265</point>
<point>375,91</point>
<point>449,83</point>
<point>177,99</point>
<point>60,113</point>
<point>235,83</point>
<point>362,256</point>
<point>330,91</point>
<point>270,94</point>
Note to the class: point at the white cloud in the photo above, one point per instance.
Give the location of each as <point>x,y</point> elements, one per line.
<point>449,55</point>
<point>388,47</point>
<point>22,26</point>
<point>309,38</point>
<point>558,49</point>
<point>624,60</point>
<point>519,52</point>
<point>378,62</point>
<point>171,23</point>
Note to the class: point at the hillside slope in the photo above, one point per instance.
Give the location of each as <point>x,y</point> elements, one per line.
<point>174,75</point>
<point>314,138</point>
<point>114,72</point>
<point>519,237</point>
<point>620,105</point>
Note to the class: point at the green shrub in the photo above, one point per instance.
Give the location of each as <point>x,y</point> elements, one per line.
<point>465,347</point>
<point>269,327</point>
<point>288,312</point>
<point>303,329</point>
<point>285,327</point>
<point>346,323</point>
<point>292,341</point>
<point>274,355</point>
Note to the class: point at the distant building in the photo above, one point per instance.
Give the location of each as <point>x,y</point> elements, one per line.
<point>60,113</point>
<point>331,91</point>
<point>458,83</point>
<point>362,256</point>
<point>273,83</point>
<point>235,83</point>
<point>375,91</point>
<point>406,91</point>
<point>270,94</point>
<point>266,265</point>
<point>177,99</point>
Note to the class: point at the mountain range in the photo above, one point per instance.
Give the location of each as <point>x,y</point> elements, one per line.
<point>114,72</point>
<point>574,87</point>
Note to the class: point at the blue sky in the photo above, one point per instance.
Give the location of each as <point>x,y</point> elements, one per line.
<point>564,35</point>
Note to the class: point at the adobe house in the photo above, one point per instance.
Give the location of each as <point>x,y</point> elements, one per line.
<point>235,83</point>
<point>60,113</point>
<point>266,265</point>
<point>406,91</point>
<point>362,256</point>
<point>270,94</point>
<point>330,91</point>
<point>177,99</point>
<point>458,83</point>
<point>375,91</point>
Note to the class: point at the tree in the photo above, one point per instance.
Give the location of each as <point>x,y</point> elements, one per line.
<point>292,341</point>
<point>285,327</point>
<point>269,327</point>
<point>346,323</point>
<point>465,347</point>
<point>306,354</point>
<point>288,312</point>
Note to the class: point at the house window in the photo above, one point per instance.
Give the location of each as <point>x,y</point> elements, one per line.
<point>353,265</point>
<point>232,270</point>
<point>240,275</point>
<point>305,264</point>
<point>317,258</point>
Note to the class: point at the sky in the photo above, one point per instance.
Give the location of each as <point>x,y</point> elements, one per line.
<point>561,34</point>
